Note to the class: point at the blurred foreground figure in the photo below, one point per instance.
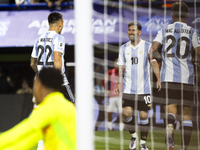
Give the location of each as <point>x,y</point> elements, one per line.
<point>53,121</point>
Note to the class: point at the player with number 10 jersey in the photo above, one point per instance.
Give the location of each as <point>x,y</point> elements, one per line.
<point>133,59</point>
<point>136,62</point>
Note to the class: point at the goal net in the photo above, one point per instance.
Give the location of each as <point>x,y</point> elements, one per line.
<point>110,32</point>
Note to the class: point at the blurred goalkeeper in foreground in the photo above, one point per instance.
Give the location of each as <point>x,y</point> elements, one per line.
<point>53,121</point>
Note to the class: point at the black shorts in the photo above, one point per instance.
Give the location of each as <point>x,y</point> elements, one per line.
<point>142,101</point>
<point>177,93</point>
<point>67,92</point>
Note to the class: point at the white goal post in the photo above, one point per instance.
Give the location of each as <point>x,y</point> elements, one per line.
<point>84,74</point>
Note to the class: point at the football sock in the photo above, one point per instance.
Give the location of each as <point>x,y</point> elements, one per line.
<point>129,122</point>
<point>144,128</point>
<point>110,125</point>
<point>142,142</point>
<point>186,132</point>
<point>134,135</point>
<point>40,145</point>
<point>170,119</point>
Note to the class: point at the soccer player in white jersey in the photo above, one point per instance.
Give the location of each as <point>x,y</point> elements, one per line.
<point>178,41</point>
<point>49,50</point>
<point>134,60</point>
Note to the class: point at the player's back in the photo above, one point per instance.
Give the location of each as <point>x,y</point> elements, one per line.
<point>45,46</point>
<point>176,53</point>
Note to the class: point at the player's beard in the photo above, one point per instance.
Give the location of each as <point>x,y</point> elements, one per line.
<point>133,38</point>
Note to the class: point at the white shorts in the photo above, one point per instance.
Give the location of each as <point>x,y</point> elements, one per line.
<point>114,104</point>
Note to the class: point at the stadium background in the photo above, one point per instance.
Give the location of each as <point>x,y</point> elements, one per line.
<point>20,27</point>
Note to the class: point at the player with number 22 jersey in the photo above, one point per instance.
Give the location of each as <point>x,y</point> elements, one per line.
<point>49,50</point>
<point>44,49</point>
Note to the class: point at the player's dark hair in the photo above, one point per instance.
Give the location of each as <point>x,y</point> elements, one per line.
<point>54,17</point>
<point>180,9</point>
<point>135,23</point>
<point>51,78</point>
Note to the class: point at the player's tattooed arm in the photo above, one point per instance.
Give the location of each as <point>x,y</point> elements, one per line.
<point>121,76</point>
<point>155,46</point>
<point>58,60</point>
<point>154,50</point>
<point>156,70</point>
<point>34,64</point>
<point>197,49</point>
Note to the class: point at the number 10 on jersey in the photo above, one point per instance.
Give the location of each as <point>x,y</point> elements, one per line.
<point>134,60</point>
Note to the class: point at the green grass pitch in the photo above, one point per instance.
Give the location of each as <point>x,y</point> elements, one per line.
<point>112,142</point>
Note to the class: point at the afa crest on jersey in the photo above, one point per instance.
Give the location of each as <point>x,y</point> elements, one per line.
<point>61,44</point>
<point>141,52</point>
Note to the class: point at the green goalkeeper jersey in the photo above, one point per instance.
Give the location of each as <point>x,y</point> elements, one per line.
<point>54,121</point>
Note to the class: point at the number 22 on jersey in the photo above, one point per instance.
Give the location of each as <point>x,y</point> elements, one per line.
<point>42,51</point>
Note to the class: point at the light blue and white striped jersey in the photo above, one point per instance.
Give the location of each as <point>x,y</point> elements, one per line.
<point>178,40</point>
<point>44,49</point>
<point>136,63</point>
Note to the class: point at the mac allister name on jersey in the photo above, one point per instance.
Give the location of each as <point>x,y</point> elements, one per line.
<point>177,31</point>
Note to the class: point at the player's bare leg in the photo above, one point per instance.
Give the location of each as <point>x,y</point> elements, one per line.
<point>171,111</point>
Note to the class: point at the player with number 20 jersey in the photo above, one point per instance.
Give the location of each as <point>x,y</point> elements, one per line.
<point>178,41</point>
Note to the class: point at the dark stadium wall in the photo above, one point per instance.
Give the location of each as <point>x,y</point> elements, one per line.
<point>16,64</point>
<point>13,109</point>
